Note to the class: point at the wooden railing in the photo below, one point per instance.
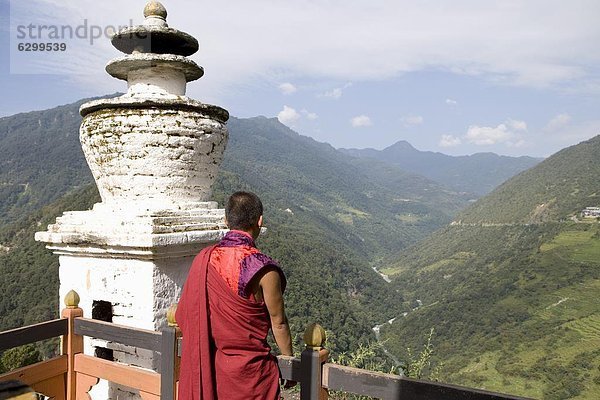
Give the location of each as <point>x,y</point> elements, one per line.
<point>72,374</point>
<point>45,377</point>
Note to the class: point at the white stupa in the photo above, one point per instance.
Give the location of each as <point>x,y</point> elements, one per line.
<point>154,154</point>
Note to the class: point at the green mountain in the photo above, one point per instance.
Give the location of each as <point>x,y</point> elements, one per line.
<point>330,217</point>
<point>558,188</point>
<point>479,173</point>
<point>40,159</point>
<point>378,209</point>
<point>513,299</point>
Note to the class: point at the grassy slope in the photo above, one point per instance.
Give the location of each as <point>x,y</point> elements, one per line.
<point>515,308</point>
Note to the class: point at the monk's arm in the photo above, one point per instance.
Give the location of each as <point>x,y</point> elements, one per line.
<point>270,283</point>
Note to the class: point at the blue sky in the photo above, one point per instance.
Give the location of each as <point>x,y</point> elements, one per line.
<point>512,77</point>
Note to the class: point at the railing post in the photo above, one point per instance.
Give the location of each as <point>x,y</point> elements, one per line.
<point>71,343</point>
<point>312,359</point>
<point>169,362</point>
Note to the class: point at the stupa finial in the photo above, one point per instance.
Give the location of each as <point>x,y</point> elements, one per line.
<point>155,13</point>
<point>155,36</point>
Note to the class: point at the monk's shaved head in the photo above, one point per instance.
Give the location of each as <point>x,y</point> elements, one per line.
<point>242,211</point>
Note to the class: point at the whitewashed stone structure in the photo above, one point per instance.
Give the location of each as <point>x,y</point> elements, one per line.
<point>154,154</point>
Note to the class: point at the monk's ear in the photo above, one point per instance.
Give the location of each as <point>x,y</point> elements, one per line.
<point>260,221</point>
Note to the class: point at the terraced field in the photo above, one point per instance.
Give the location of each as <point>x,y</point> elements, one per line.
<point>532,294</point>
<point>589,327</point>
<point>581,246</point>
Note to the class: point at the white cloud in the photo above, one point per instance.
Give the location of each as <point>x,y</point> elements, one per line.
<point>334,94</point>
<point>337,92</point>
<point>562,131</point>
<point>309,115</point>
<point>509,133</point>
<point>449,141</point>
<point>475,38</point>
<point>558,122</point>
<point>411,120</point>
<point>517,125</point>
<point>485,135</point>
<point>287,88</point>
<point>574,133</point>
<point>360,121</point>
<point>288,116</point>
<point>451,102</point>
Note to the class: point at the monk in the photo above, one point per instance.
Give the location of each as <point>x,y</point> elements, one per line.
<point>232,297</point>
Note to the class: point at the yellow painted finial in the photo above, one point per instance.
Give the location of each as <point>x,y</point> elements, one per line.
<point>314,336</point>
<point>72,299</point>
<point>171,315</point>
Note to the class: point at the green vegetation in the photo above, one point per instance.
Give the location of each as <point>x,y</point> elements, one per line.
<point>423,365</point>
<point>555,189</point>
<point>371,356</point>
<point>19,357</point>
<point>326,245</point>
<point>521,309</point>
<point>28,271</point>
<point>40,159</point>
<point>353,199</point>
<point>512,290</point>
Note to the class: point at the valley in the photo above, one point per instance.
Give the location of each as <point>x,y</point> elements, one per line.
<point>509,282</point>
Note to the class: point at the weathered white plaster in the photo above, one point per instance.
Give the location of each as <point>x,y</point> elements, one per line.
<point>153,158</point>
<point>156,81</point>
<point>122,67</point>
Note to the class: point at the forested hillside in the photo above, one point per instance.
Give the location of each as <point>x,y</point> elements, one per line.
<point>479,173</point>
<point>377,209</point>
<point>330,217</point>
<point>558,188</point>
<point>40,159</point>
<point>513,300</point>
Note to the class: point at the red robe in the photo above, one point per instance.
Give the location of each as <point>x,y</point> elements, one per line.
<point>225,354</point>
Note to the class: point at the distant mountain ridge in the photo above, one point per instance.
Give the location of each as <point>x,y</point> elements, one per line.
<point>479,173</point>
<point>512,287</point>
<point>368,197</point>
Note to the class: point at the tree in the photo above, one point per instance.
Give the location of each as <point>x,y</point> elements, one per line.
<point>19,357</point>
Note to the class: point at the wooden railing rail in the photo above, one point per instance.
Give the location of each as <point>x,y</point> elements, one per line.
<point>391,387</point>
<point>290,368</point>
<point>46,377</point>
<point>135,337</point>
<point>33,333</point>
<point>72,375</point>
<point>90,370</point>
